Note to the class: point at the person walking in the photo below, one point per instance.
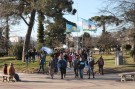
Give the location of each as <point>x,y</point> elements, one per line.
<point>63,66</point>
<point>70,59</point>
<point>75,64</point>
<point>100,63</point>
<point>56,64</point>
<point>81,65</point>
<point>52,65</point>
<point>42,61</point>
<point>91,63</point>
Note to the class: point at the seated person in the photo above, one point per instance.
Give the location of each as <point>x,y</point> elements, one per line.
<point>4,70</point>
<point>11,71</point>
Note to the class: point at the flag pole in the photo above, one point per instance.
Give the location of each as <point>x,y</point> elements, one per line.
<point>77,28</point>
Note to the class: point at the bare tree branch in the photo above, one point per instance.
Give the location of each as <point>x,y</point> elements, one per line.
<point>24,20</point>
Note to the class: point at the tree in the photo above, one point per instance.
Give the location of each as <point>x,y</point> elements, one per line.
<point>55,33</point>
<point>20,8</point>
<point>87,40</point>
<point>103,20</point>
<point>28,8</point>
<point>106,41</point>
<point>124,9</point>
<point>40,30</point>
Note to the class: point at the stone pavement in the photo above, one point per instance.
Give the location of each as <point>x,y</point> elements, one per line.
<point>43,81</point>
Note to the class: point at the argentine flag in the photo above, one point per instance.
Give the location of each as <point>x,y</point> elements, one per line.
<point>87,25</point>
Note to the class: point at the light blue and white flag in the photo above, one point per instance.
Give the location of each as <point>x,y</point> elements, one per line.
<point>87,25</point>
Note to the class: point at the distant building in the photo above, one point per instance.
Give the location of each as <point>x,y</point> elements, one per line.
<point>16,39</point>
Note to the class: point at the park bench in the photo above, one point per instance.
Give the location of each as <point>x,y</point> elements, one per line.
<point>124,76</point>
<point>7,78</point>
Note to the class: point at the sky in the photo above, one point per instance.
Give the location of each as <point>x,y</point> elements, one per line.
<point>85,9</point>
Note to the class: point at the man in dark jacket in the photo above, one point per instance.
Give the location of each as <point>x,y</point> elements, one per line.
<point>76,65</point>
<point>81,65</point>
<point>63,65</point>
<point>100,63</point>
<point>91,63</point>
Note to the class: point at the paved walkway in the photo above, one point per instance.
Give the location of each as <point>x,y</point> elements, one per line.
<point>42,81</point>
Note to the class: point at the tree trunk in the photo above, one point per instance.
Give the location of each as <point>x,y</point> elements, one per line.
<point>7,35</point>
<point>134,48</point>
<point>28,34</point>
<point>103,31</point>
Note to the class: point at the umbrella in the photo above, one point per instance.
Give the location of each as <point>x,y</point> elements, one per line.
<point>48,50</point>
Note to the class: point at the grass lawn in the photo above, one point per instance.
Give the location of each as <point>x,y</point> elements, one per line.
<point>109,66</point>
<point>21,66</point>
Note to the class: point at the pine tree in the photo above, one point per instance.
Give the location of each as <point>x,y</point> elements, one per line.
<point>40,30</point>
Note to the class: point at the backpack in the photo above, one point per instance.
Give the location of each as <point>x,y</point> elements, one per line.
<point>100,62</point>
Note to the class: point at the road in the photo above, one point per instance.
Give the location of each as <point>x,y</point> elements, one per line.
<point>43,81</point>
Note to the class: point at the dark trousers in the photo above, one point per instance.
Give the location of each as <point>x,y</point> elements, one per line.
<point>81,73</point>
<point>63,72</point>
<point>101,69</point>
<point>41,68</point>
<point>91,71</point>
<point>70,64</point>
<point>76,72</point>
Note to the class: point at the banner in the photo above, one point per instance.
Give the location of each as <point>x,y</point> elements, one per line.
<point>87,25</point>
<point>71,28</point>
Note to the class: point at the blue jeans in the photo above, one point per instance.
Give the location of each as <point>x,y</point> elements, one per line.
<point>91,71</point>
<point>81,73</point>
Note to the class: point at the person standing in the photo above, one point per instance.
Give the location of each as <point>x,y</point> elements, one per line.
<point>100,63</point>
<point>75,64</point>
<point>63,66</point>
<point>91,63</point>
<point>81,65</point>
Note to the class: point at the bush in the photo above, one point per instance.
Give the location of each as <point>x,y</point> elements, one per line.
<point>16,50</point>
<point>3,54</point>
<point>127,47</point>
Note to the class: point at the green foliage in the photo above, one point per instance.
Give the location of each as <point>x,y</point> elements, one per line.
<point>40,30</point>
<point>103,20</point>
<point>55,33</point>
<point>16,50</point>
<point>87,42</point>
<point>2,53</point>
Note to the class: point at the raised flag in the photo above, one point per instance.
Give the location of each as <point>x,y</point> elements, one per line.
<point>71,28</point>
<point>87,25</point>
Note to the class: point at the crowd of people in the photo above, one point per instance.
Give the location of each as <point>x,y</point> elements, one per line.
<point>76,60</point>
<point>60,61</point>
